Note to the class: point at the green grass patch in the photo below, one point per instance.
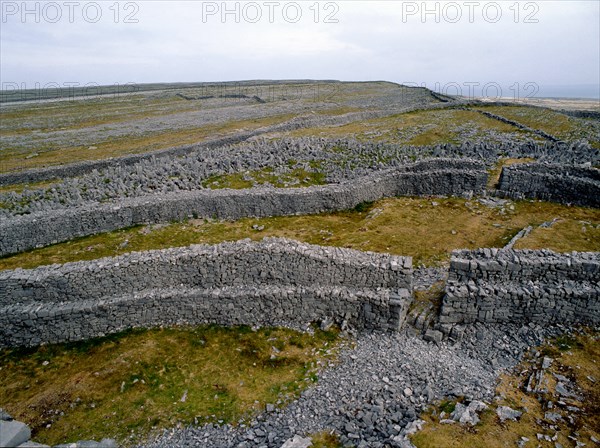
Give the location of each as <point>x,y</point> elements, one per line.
<point>292,178</point>
<point>325,439</point>
<point>565,235</point>
<point>139,381</point>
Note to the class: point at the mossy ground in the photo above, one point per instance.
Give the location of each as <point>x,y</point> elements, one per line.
<point>129,385</point>
<point>295,177</point>
<point>325,439</point>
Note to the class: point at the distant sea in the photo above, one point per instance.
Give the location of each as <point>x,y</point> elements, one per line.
<point>528,90</point>
<point>588,91</point>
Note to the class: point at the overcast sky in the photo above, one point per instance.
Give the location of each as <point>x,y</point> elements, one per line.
<point>438,44</point>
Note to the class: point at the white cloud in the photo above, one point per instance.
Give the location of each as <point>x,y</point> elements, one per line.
<point>371,40</point>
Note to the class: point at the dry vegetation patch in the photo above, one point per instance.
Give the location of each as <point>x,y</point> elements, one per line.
<point>428,229</point>
<point>292,178</point>
<point>548,418</point>
<point>420,128</point>
<point>14,159</point>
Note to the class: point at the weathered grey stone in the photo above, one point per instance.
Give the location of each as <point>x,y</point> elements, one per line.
<point>552,417</point>
<point>546,362</point>
<point>429,177</point>
<point>506,413</point>
<point>297,442</point>
<point>31,444</point>
<point>523,286</point>
<point>565,184</point>
<point>5,415</point>
<point>468,414</point>
<point>273,282</point>
<point>13,433</point>
<point>433,336</point>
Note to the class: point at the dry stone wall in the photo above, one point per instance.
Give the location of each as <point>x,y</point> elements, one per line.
<point>431,177</point>
<point>492,285</point>
<point>559,183</point>
<point>273,282</point>
<point>299,122</point>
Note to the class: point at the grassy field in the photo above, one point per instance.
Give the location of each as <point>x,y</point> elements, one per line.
<point>43,134</point>
<point>554,123</point>
<point>132,384</point>
<point>426,229</point>
<point>421,128</point>
<point>576,358</point>
<point>296,177</point>
<point>72,115</point>
<point>50,156</point>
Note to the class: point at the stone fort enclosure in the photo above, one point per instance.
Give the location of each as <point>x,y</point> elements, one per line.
<point>551,182</point>
<point>172,153</point>
<point>492,285</point>
<point>273,282</point>
<point>431,177</point>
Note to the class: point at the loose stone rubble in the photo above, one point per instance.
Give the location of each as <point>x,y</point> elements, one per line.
<point>374,396</point>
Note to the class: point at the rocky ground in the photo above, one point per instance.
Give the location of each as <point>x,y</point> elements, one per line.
<point>153,112</point>
<point>374,395</point>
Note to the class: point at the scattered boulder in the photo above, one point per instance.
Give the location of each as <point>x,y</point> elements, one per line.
<point>433,336</point>
<point>13,433</point>
<point>104,443</point>
<point>297,442</point>
<point>507,413</point>
<point>31,444</point>
<point>468,414</point>
<point>5,416</point>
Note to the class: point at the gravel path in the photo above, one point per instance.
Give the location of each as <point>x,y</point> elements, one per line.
<point>374,395</point>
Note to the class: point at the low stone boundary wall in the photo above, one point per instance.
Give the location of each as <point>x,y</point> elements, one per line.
<point>272,282</point>
<point>299,122</point>
<point>559,183</point>
<point>431,177</point>
<point>518,125</point>
<point>492,285</point>
<point>595,115</point>
<point>81,168</point>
